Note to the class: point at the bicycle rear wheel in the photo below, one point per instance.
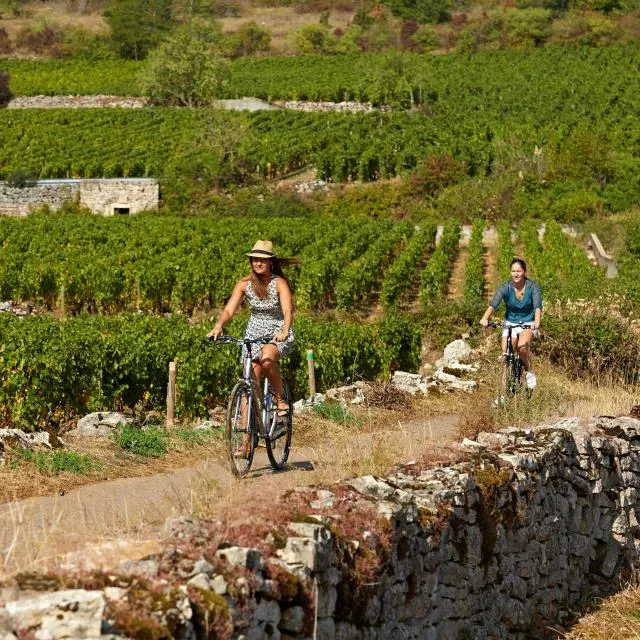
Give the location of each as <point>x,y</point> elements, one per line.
<point>278,439</point>
<point>240,433</point>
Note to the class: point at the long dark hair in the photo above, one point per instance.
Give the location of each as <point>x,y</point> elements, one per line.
<point>260,287</point>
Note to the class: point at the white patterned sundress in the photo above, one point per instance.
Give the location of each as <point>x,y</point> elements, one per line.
<point>266,317</point>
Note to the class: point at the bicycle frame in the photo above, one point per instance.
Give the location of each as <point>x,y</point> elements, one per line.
<point>256,415</point>
<point>512,361</point>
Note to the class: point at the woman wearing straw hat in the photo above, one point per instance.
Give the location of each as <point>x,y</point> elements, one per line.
<point>268,294</point>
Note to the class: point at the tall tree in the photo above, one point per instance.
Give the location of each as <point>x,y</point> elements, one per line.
<point>138,25</point>
<point>188,68</point>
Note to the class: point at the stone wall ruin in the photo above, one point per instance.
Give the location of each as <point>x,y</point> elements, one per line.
<point>105,197</point>
<point>508,543</point>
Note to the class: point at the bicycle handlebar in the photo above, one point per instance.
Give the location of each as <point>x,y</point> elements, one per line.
<point>501,325</point>
<point>232,340</point>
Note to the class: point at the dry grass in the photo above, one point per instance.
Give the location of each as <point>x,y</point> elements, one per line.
<point>282,21</point>
<point>25,481</point>
<point>54,13</point>
<point>557,396</point>
<point>618,617</point>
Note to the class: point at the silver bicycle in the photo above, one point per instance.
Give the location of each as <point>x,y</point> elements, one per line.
<point>252,414</point>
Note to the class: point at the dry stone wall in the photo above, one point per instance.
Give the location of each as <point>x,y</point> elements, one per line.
<point>106,197</point>
<point>508,543</point>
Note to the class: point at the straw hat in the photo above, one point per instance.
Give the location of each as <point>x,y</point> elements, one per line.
<point>262,249</point>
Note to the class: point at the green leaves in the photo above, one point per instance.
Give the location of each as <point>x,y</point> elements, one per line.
<point>70,367</point>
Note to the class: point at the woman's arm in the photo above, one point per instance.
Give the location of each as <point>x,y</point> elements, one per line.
<point>487,314</point>
<point>286,302</point>
<point>537,303</point>
<point>230,309</point>
<point>537,318</point>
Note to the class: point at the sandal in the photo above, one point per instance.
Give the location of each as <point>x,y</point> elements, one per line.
<point>282,415</point>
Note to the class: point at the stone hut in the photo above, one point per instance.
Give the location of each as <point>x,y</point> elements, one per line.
<point>105,197</point>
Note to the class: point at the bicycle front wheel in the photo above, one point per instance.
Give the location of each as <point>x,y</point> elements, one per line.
<point>278,442</point>
<point>240,432</point>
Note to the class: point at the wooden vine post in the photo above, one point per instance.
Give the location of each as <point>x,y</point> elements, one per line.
<point>311,367</point>
<point>171,395</point>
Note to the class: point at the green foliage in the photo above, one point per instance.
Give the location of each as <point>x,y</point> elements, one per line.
<point>545,134</point>
<point>590,343</point>
<point>138,25</point>
<point>528,27</point>
<point>358,280</point>
<point>188,68</point>
<point>313,38</point>
<point>148,443</point>
<point>422,11</point>
<point>98,363</point>
<point>560,266</point>
<point>434,173</point>
<point>336,412</point>
<point>249,39</point>
<point>474,273</point>
<point>398,277</point>
<point>55,462</point>
<point>445,321</point>
<point>434,277</point>
<point>9,8</point>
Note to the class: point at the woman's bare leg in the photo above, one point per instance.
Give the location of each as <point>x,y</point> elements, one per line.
<point>268,365</point>
<point>524,348</point>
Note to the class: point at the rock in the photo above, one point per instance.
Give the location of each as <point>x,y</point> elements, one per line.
<point>458,351</point>
<point>219,585</point>
<point>73,613</point>
<point>100,423</point>
<point>242,556</point>
<point>147,568</point>
<point>26,440</point>
<point>455,368</point>
<point>305,405</point>
<point>202,566</point>
<point>207,425</point>
<point>201,581</point>
<point>346,393</point>
<point>453,382</point>
<point>412,383</point>
<point>473,445</point>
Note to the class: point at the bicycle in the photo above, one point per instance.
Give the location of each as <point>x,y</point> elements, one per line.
<point>510,376</point>
<point>252,414</point>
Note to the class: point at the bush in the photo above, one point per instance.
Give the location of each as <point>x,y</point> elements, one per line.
<point>20,180</point>
<point>249,39</point>
<point>5,91</point>
<point>590,343</point>
<point>423,11</point>
<point>428,37</point>
<point>313,38</point>
<point>528,27</point>
<point>435,173</point>
<point>188,68</point>
<point>40,40</point>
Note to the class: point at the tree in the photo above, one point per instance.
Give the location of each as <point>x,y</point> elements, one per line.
<point>138,25</point>
<point>188,69</point>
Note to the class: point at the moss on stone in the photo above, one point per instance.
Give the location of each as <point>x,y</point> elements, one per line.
<point>211,614</point>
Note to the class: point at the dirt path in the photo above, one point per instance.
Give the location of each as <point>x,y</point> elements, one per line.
<point>107,522</point>
<point>455,286</point>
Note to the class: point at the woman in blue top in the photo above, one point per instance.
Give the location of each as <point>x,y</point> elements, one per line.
<point>523,301</point>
